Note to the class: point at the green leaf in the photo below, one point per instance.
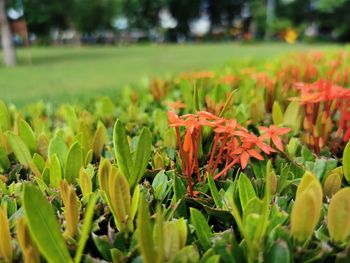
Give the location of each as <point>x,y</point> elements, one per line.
<point>59,147</point>
<point>4,160</point>
<point>159,235</point>
<point>195,98</point>
<point>306,155</point>
<point>43,226</point>
<point>143,151</point>
<point>117,256</point>
<point>159,185</point>
<point>339,216</point>
<point>346,161</point>
<point>279,253</point>
<point>134,202</point>
<point>55,171</point>
<point>5,122</point>
<point>122,150</point>
<point>305,214</point>
<point>277,114</point>
<point>74,163</point>
<point>27,135</point>
<point>120,200</point>
<point>103,246</point>
<point>187,254</point>
<point>160,118</point>
<point>227,103</point>
<point>20,149</point>
<point>332,184</point>
<point>202,228</point>
<point>319,168</point>
<point>145,232</point>
<point>179,188</point>
<point>213,259</point>
<point>245,189</point>
<point>215,193</point>
<point>39,161</point>
<point>86,227</point>
<point>99,140</point>
<point>292,117</point>
<point>207,255</point>
<point>254,206</point>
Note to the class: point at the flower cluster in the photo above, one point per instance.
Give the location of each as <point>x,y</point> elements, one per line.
<point>232,144</point>
<point>326,106</point>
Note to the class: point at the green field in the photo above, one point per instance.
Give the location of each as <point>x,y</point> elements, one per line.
<point>71,73</point>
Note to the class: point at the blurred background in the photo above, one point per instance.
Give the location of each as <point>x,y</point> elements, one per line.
<point>129,21</point>
<point>89,45</point>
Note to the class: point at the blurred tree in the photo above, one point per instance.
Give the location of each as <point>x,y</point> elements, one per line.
<point>184,11</point>
<point>6,37</point>
<point>333,18</point>
<point>88,16</point>
<point>223,12</point>
<point>258,10</point>
<point>43,15</point>
<point>84,16</point>
<point>297,11</point>
<point>142,14</point>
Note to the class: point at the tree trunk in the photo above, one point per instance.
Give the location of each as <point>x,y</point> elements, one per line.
<point>6,37</point>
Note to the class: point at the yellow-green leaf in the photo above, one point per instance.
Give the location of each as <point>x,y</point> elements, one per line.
<point>292,117</point>
<point>277,114</point>
<point>55,171</point>
<point>142,154</point>
<point>43,226</point>
<point>305,213</point>
<point>202,228</point>
<point>99,140</point>
<point>74,163</point>
<point>306,180</point>
<point>59,147</point>
<point>144,233</point>
<point>85,182</point>
<point>20,149</point>
<point>71,208</point>
<point>27,135</point>
<point>5,121</point>
<point>103,173</point>
<point>6,250</point>
<point>119,193</point>
<point>339,216</point>
<point>331,185</point>
<point>86,228</point>
<point>122,150</point>
<point>29,249</point>
<point>346,161</point>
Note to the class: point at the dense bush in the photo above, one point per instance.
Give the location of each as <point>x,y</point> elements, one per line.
<point>240,165</point>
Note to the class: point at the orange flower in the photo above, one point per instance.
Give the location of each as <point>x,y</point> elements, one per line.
<point>230,80</point>
<point>175,105</point>
<point>174,120</point>
<point>245,152</point>
<point>273,132</point>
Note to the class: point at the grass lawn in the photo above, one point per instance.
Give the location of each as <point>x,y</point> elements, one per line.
<point>71,73</point>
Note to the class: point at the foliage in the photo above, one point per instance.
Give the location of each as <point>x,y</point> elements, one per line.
<point>240,182</point>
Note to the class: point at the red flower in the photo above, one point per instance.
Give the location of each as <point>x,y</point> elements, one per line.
<point>175,105</point>
<point>273,132</point>
<point>174,120</point>
<point>245,152</point>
